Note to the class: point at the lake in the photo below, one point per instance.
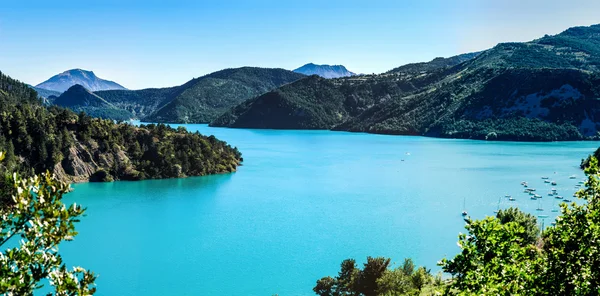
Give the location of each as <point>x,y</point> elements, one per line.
<point>301,203</point>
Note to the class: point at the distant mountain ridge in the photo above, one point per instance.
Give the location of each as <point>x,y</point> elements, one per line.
<point>325,71</point>
<point>199,100</point>
<point>63,81</point>
<point>543,90</point>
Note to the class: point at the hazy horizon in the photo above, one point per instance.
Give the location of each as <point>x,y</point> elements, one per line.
<point>151,44</point>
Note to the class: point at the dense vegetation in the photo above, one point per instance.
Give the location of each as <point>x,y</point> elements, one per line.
<point>499,258</point>
<point>32,213</point>
<point>378,278</point>
<point>77,147</point>
<point>205,98</point>
<point>543,90</point>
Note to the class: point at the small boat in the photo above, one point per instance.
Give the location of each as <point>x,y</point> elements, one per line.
<point>507,196</point>
<point>464,213</point>
<point>572,177</point>
<point>533,197</point>
<point>544,178</point>
<point>550,193</point>
<point>558,197</point>
<point>553,223</point>
<point>524,183</point>
<point>546,181</point>
<point>538,196</point>
<point>554,209</point>
<point>553,189</point>
<point>566,200</point>
<point>553,183</point>
<point>580,182</point>
<point>498,209</point>
<point>539,208</point>
<point>512,198</point>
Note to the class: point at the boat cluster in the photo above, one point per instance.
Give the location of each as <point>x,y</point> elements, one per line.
<point>533,195</point>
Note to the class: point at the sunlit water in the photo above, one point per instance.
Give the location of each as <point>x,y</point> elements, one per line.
<point>302,202</point>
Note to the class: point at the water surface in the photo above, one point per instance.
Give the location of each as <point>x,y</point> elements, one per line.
<point>302,202</point>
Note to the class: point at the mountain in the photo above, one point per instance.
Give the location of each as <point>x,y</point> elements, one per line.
<point>79,99</point>
<point>199,100</point>
<point>203,99</point>
<point>310,103</point>
<point>77,147</point>
<point>63,81</point>
<point>543,90</point>
<point>325,71</point>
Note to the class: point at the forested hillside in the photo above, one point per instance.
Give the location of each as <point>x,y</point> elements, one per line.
<point>543,90</point>
<point>77,147</point>
<point>203,99</point>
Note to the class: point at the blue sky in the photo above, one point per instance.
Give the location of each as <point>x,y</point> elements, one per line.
<point>151,43</point>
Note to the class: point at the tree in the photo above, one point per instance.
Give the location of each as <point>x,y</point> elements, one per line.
<point>528,221</point>
<point>572,247</point>
<point>32,224</point>
<point>495,259</point>
<point>375,279</point>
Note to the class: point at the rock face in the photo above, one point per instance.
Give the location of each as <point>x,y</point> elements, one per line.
<point>63,81</point>
<point>325,71</point>
<point>83,164</point>
<point>77,166</point>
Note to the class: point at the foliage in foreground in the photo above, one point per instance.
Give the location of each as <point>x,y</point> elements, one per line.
<point>498,259</point>
<point>377,278</point>
<point>502,255</point>
<point>33,222</point>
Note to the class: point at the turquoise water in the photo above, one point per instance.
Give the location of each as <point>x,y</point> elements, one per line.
<point>302,202</point>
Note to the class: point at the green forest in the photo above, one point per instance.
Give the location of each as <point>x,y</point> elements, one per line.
<point>78,147</point>
<point>543,90</point>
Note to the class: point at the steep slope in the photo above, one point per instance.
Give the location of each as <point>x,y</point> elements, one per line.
<point>546,90</point>
<point>310,103</point>
<point>543,90</point>
<point>79,99</point>
<point>315,102</point>
<point>63,81</point>
<point>77,147</point>
<point>201,100</point>
<point>325,71</point>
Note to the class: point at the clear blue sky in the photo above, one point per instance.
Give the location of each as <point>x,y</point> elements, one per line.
<point>164,43</point>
